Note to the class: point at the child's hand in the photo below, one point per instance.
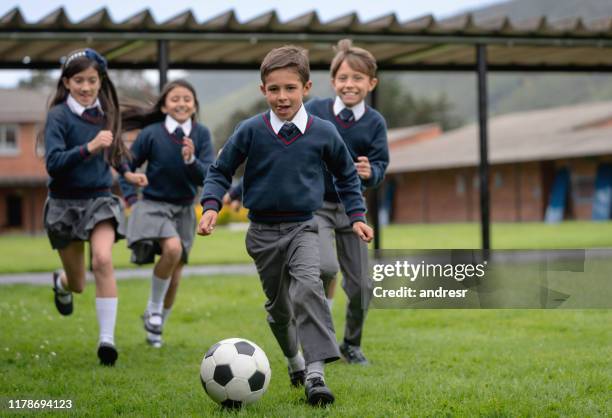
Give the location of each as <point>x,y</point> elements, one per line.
<point>188,149</point>
<point>363,231</point>
<point>364,169</point>
<point>137,179</point>
<point>103,140</point>
<point>207,223</point>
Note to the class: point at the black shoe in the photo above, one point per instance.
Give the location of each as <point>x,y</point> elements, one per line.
<point>317,393</point>
<point>352,354</point>
<point>63,308</point>
<point>297,378</point>
<point>153,322</point>
<point>107,353</point>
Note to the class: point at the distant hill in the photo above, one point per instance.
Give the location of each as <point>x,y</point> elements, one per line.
<point>221,92</point>
<point>518,10</point>
<point>510,92</point>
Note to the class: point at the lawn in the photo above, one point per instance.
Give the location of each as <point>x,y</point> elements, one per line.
<point>33,253</point>
<point>493,363</point>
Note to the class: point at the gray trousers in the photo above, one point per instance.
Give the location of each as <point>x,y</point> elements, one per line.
<point>352,259</point>
<point>287,260</point>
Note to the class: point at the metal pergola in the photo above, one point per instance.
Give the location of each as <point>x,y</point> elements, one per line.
<point>423,44</point>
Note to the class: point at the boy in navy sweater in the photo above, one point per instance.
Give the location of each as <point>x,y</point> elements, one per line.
<point>363,129</point>
<point>286,150</point>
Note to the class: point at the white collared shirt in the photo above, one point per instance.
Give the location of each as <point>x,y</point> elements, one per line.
<point>171,125</point>
<point>78,108</point>
<point>300,120</point>
<point>358,109</point>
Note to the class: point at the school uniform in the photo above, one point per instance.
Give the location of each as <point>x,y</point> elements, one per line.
<point>283,186</point>
<point>166,209</point>
<point>79,182</point>
<point>364,132</point>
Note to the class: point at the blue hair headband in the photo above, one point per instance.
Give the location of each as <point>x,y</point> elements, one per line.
<point>89,54</point>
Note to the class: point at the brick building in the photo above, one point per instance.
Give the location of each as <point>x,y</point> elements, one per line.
<point>22,172</point>
<point>436,180</point>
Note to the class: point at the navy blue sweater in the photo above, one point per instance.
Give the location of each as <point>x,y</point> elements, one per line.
<point>170,179</point>
<point>365,137</point>
<point>74,172</point>
<point>283,180</point>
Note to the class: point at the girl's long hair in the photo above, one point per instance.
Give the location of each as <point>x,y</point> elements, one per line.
<point>81,60</point>
<point>135,115</point>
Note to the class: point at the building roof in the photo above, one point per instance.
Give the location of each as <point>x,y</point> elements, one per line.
<point>399,134</point>
<point>224,42</point>
<point>548,134</point>
<point>21,106</point>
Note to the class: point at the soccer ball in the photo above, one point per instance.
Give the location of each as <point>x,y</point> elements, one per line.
<point>235,372</point>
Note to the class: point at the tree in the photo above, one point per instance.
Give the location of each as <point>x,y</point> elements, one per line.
<point>129,84</point>
<point>224,130</point>
<point>400,108</point>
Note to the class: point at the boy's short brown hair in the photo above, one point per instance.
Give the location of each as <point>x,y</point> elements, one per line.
<point>285,57</point>
<point>357,58</point>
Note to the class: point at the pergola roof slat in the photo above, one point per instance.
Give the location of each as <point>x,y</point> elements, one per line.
<point>224,21</point>
<point>418,42</point>
<point>182,21</point>
<point>99,19</point>
<point>12,19</point>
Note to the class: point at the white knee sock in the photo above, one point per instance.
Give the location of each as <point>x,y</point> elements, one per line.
<point>330,303</point>
<point>159,287</point>
<point>106,308</point>
<point>63,293</point>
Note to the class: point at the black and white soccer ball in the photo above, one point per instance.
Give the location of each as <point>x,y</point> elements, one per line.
<point>235,372</point>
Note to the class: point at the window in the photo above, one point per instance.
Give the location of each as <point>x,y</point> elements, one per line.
<point>498,180</point>
<point>13,210</point>
<point>460,185</point>
<point>8,140</point>
<point>583,188</point>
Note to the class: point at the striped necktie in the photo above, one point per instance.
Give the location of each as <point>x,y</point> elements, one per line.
<point>346,115</point>
<point>288,131</point>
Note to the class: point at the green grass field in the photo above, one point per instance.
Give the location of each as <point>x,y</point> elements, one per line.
<point>493,363</point>
<point>33,253</point>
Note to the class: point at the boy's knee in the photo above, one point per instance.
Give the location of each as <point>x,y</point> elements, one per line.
<point>172,249</point>
<point>279,319</point>
<point>328,271</point>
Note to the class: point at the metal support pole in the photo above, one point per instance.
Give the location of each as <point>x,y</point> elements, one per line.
<point>162,62</point>
<point>374,200</point>
<point>485,199</point>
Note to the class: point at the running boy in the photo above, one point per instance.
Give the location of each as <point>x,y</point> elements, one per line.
<point>285,150</point>
<point>363,129</point>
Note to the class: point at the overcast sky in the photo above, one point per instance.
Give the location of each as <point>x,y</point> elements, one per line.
<point>164,9</point>
<point>203,10</point>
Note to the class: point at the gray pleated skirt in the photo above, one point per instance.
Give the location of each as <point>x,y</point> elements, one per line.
<point>151,220</point>
<point>68,220</point>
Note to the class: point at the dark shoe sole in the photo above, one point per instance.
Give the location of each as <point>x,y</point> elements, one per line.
<point>320,398</point>
<point>107,354</point>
